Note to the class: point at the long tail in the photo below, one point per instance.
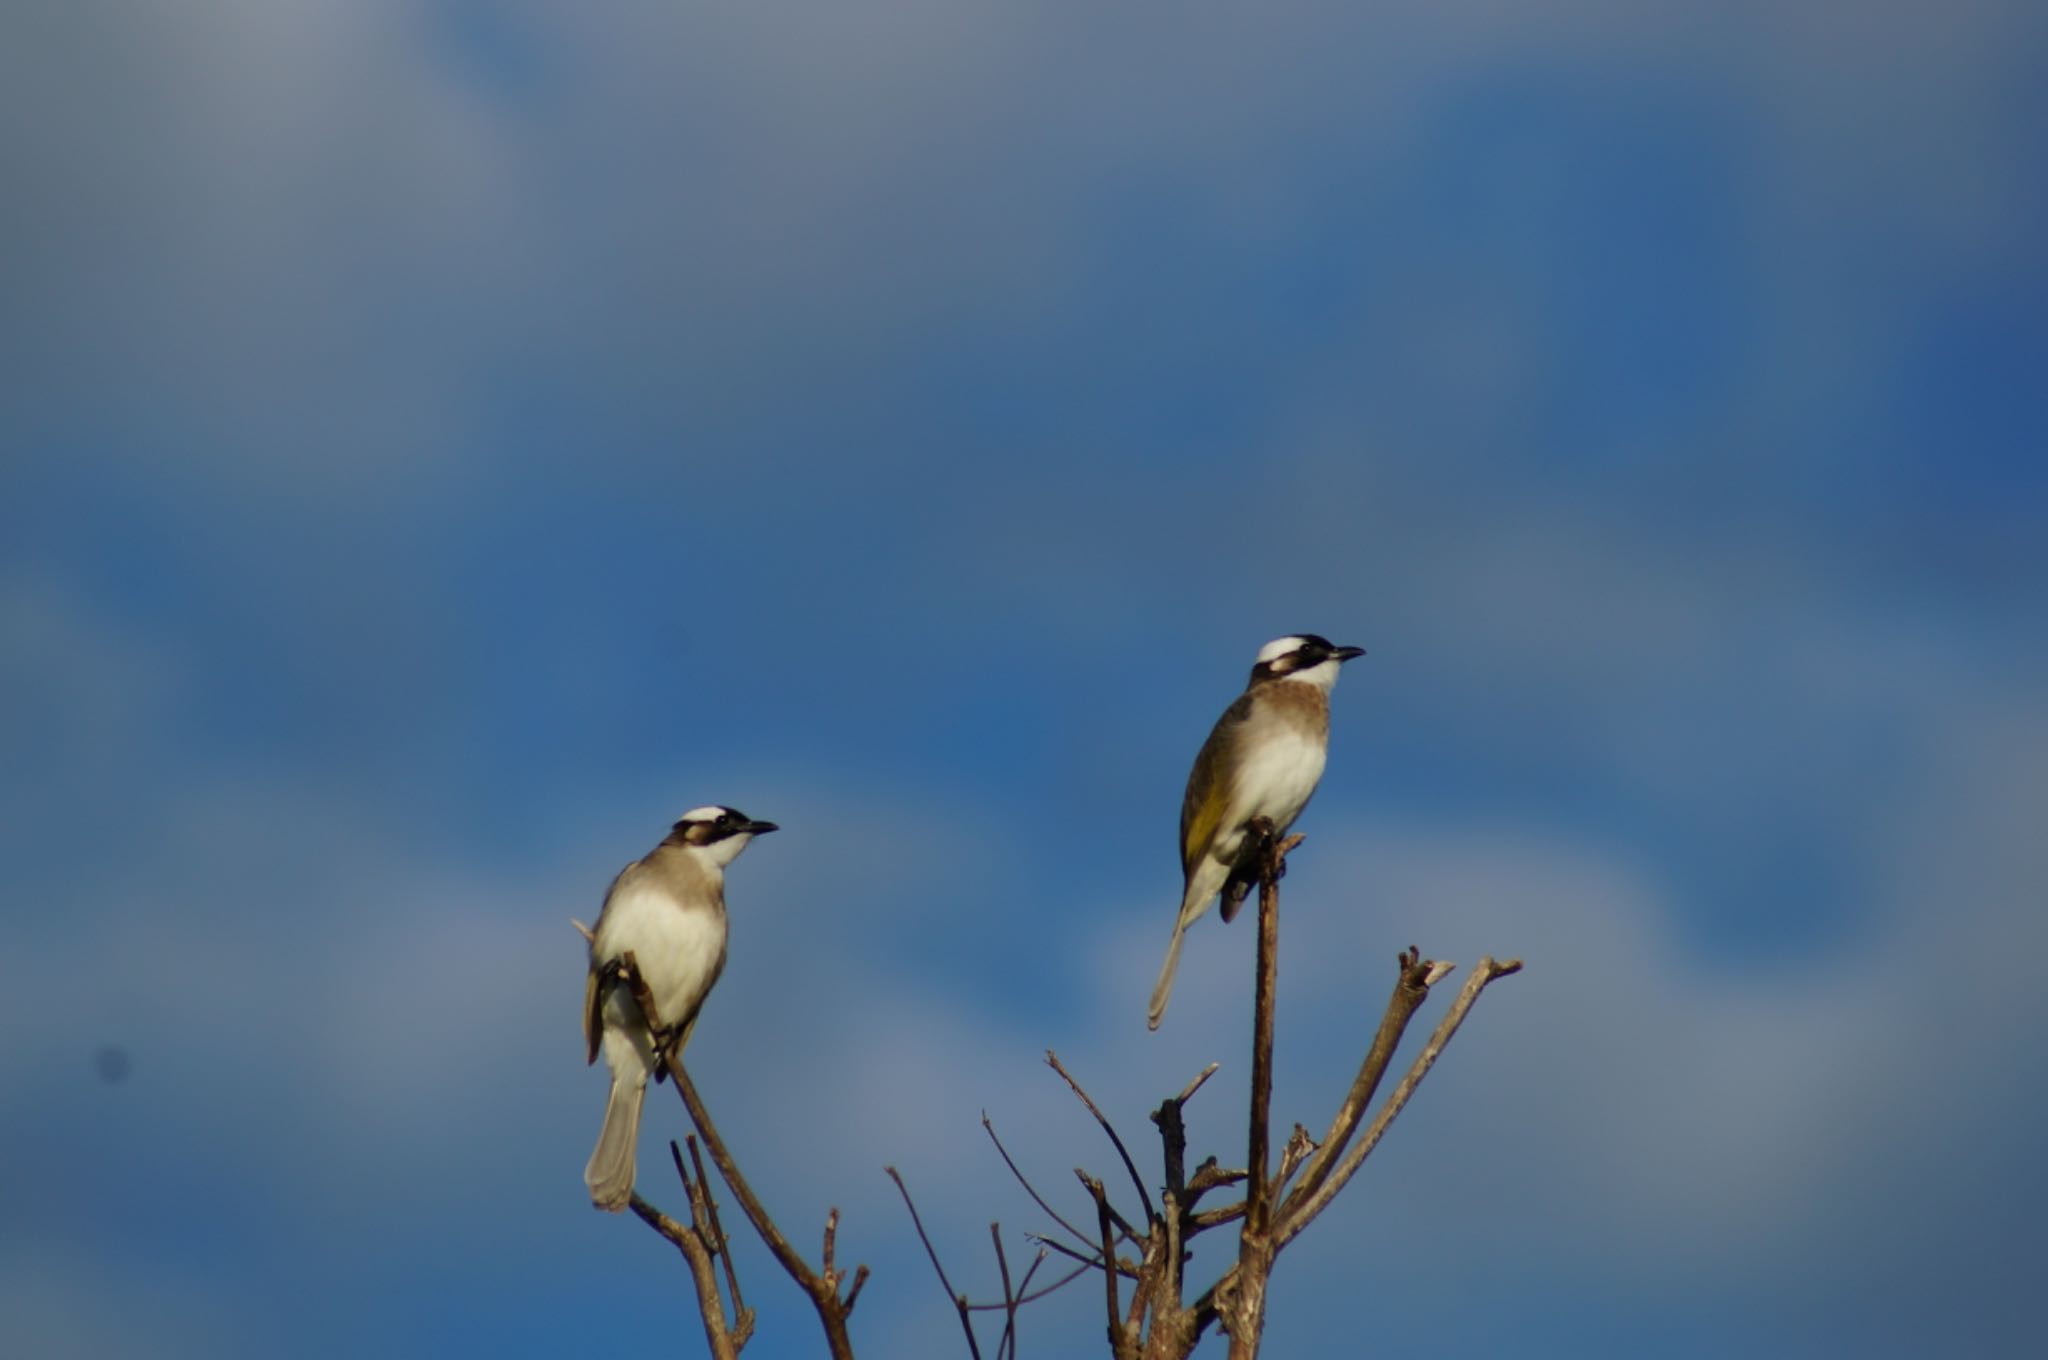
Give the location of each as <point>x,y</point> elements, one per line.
<point>610,1173</point>
<point>1163,989</point>
<point>1201,890</point>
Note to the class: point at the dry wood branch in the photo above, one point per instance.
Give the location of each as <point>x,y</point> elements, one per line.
<point>1187,1092</point>
<point>1279,1201</point>
<point>1029,1189</point>
<point>1299,1146</point>
<point>1412,978</point>
<point>1087,1260</point>
<point>724,1345</point>
<point>1274,867</point>
<point>1173,1135</point>
<point>721,1244</point>
<point>1210,1176</point>
<point>1483,974</point>
<point>1121,1344</point>
<point>959,1300</point>
<point>1008,1344</point>
<point>1241,1297</point>
<point>1215,1218</point>
<point>1053,1060</point>
<point>1023,1288</point>
<point>1049,1289</point>
<point>823,1289</point>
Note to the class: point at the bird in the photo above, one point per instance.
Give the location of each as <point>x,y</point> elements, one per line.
<point>668,910</point>
<point>1263,759</point>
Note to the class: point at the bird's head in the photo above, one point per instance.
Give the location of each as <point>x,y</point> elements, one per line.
<point>718,833</point>
<point>1303,657</point>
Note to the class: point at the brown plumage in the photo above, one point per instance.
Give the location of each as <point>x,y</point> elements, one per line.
<point>1263,758</point>
<point>1222,761</point>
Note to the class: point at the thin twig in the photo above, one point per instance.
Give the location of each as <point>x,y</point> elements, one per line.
<point>860,1277</point>
<point>1412,978</point>
<point>1484,973</point>
<point>1036,1198</point>
<point>1299,1146</point>
<point>959,1300</point>
<point>723,1344</point>
<point>756,1212</point>
<point>1118,1338</point>
<point>1053,1060</point>
<point>824,1294</point>
<point>717,1228</point>
<point>1062,1282</point>
<point>1009,1342</point>
<point>1187,1092</point>
<point>1092,1262</point>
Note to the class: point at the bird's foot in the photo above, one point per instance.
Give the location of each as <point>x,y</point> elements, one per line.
<point>665,1044</point>
<point>1265,847</point>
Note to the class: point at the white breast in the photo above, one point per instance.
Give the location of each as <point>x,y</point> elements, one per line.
<point>680,949</point>
<point>1279,774</point>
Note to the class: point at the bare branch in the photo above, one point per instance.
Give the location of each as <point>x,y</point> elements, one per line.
<point>756,1212</point>
<point>1022,1298</point>
<point>1258,1199</point>
<point>1053,1059</point>
<point>721,1341</point>
<point>1209,1176</point>
<point>1483,974</point>
<point>860,1278</point>
<point>723,1244</point>
<point>959,1299</point>
<point>1036,1198</point>
<point>589,936</point>
<point>1214,1218</point>
<point>1119,1338</point>
<point>1411,988</point>
<point>1299,1146</point>
<point>1240,1297</point>
<point>1009,1342</point>
<point>823,1291</point>
<point>1087,1261</point>
<point>1187,1092</point>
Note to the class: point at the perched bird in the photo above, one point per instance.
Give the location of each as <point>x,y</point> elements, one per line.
<point>668,910</point>
<point>1262,759</point>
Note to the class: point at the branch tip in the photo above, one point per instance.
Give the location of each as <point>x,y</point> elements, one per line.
<point>1188,1092</point>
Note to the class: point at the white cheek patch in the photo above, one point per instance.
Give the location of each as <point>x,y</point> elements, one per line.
<point>1323,675</point>
<point>725,851</point>
<point>1279,647</point>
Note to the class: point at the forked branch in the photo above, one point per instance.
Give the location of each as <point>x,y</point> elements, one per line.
<point>822,1285</point>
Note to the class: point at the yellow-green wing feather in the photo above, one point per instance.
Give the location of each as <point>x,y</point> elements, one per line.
<point>1209,785</point>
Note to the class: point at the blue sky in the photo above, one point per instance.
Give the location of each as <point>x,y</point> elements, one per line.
<point>443,442</point>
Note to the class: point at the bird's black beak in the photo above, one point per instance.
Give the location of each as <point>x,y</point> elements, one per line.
<point>1346,653</point>
<point>761,828</point>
